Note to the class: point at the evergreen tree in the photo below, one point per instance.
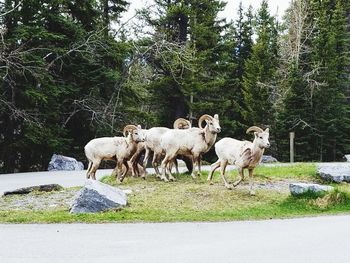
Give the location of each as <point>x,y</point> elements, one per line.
<point>55,64</point>
<point>260,71</point>
<point>315,107</point>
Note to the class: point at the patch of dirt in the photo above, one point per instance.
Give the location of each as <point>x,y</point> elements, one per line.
<point>39,200</point>
<point>281,186</point>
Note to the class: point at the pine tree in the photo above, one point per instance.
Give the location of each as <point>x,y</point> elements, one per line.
<point>331,54</point>
<point>57,64</point>
<point>260,71</point>
<point>315,107</point>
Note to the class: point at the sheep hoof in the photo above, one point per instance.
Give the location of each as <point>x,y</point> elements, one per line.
<point>211,183</point>
<point>229,186</point>
<point>252,193</point>
<point>172,178</point>
<point>163,178</point>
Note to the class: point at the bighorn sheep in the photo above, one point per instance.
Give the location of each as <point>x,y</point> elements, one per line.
<point>119,149</point>
<point>243,154</point>
<point>152,143</point>
<point>194,142</point>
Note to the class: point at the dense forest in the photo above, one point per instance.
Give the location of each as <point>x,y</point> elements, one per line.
<point>72,71</point>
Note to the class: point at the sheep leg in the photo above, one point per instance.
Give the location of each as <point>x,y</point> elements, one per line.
<point>251,191</point>
<point>164,165</point>
<point>195,162</point>
<point>199,164</point>
<point>142,171</point>
<point>155,164</point>
<point>214,166</point>
<point>94,169</point>
<point>223,165</point>
<point>145,159</point>
<point>241,175</point>
<point>135,169</point>
<point>176,165</point>
<point>88,170</point>
<point>117,169</point>
<point>171,177</point>
<point>125,162</point>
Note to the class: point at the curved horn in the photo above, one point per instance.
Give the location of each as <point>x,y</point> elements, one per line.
<point>203,118</point>
<point>128,128</point>
<point>254,128</point>
<point>180,122</point>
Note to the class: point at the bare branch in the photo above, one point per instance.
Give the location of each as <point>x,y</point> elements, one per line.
<point>10,11</point>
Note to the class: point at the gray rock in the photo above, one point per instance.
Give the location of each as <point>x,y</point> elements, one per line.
<point>347,157</point>
<point>302,188</point>
<point>335,172</point>
<point>64,163</point>
<point>96,196</point>
<point>40,188</point>
<point>268,159</point>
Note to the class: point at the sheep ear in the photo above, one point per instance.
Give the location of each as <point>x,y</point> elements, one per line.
<point>139,127</point>
<point>256,134</point>
<point>267,130</point>
<point>216,116</point>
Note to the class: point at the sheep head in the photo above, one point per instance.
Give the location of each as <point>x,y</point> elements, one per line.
<point>261,136</point>
<point>136,133</point>
<point>212,123</point>
<point>182,123</point>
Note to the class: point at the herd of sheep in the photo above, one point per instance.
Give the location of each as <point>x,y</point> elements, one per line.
<point>183,141</point>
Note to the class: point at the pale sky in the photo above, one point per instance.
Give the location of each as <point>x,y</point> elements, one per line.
<point>230,12</point>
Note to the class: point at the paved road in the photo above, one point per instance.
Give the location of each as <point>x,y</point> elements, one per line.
<point>318,240</point>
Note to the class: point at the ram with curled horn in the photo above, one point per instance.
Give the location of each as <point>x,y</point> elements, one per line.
<point>182,123</point>
<point>190,142</point>
<point>243,154</point>
<point>152,145</point>
<point>206,118</point>
<point>128,128</point>
<point>119,149</point>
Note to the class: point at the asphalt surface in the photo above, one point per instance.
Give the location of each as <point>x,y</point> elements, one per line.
<point>322,239</point>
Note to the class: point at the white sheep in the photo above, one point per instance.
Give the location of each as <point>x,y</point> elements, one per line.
<point>118,149</point>
<point>152,144</point>
<point>193,142</point>
<point>243,154</point>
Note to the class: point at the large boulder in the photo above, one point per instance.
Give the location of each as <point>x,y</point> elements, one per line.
<point>96,197</point>
<point>64,163</point>
<point>303,188</point>
<point>268,159</point>
<point>335,172</point>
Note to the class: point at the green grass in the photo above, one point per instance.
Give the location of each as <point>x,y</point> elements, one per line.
<point>195,200</point>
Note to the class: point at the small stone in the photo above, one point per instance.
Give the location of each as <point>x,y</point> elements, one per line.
<point>302,188</point>
<point>64,163</point>
<point>268,159</point>
<point>96,196</point>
